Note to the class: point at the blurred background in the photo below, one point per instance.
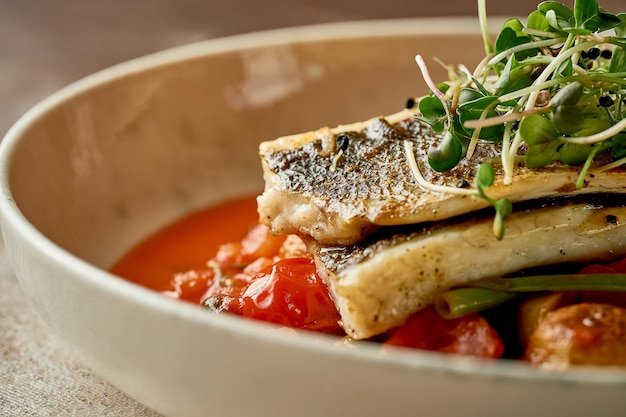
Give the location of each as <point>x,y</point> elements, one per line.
<point>45,45</point>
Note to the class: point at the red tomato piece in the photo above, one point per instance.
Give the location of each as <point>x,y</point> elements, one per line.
<point>469,335</point>
<point>191,285</point>
<point>289,293</point>
<point>619,267</point>
<point>597,269</point>
<point>258,243</point>
<point>616,267</point>
<point>616,298</point>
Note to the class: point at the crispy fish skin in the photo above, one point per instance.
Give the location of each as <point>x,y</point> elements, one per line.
<point>339,191</point>
<point>379,282</point>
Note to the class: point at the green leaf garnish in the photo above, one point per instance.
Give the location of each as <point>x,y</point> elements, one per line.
<point>447,154</point>
<point>589,17</point>
<point>568,95</point>
<point>567,118</point>
<point>536,129</point>
<point>574,153</point>
<point>537,21</point>
<point>433,113</point>
<point>541,154</point>
<point>475,109</point>
<point>512,35</point>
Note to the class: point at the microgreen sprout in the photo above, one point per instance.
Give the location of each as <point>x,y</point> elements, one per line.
<point>550,91</point>
<point>484,180</point>
<point>503,206</point>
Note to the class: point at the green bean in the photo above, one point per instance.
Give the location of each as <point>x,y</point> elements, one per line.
<point>459,302</point>
<point>491,292</point>
<point>562,282</point>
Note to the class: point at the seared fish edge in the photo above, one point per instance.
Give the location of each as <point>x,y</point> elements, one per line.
<point>378,283</point>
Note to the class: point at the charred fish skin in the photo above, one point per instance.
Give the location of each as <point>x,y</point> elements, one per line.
<point>339,185</point>
<point>378,283</point>
<point>333,183</point>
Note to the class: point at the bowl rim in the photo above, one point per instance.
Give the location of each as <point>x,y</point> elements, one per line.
<point>105,281</point>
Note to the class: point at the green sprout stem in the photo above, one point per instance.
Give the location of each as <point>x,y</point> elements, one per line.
<point>433,87</point>
<point>505,118</point>
<point>551,68</point>
<point>611,165</point>
<point>484,27</point>
<point>580,182</point>
<point>524,47</point>
<point>617,78</point>
<point>598,137</point>
<point>477,128</point>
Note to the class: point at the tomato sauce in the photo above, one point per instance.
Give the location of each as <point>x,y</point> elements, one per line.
<point>222,258</point>
<point>187,244</point>
<point>247,275</point>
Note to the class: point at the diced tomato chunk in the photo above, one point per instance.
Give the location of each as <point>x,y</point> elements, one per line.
<point>258,243</point>
<point>597,269</point>
<point>616,298</point>
<point>229,254</point>
<point>192,284</point>
<point>619,267</point>
<point>288,292</point>
<point>469,335</point>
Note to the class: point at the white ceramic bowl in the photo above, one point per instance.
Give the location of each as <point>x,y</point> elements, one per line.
<point>97,166</point>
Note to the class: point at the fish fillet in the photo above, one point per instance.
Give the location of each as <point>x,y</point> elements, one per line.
<point>340,190</point>
<point>378,283</point>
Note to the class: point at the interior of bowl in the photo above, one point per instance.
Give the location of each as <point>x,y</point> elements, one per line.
<point>109,160</point>
<point>114,158</point>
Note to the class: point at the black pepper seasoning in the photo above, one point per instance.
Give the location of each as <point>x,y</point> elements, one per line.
<point>605,101</point>
<point>536,71</point>
<point>606,54</point>
<point>593,53</point>
<point>343,141</point>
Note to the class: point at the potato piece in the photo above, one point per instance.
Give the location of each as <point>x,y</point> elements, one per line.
<point>533,311</point>
<point>580,334</point>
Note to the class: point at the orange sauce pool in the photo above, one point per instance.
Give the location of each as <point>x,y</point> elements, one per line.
<point>187,244</point>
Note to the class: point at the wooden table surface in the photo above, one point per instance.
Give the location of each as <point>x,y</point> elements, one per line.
<point>44,45</point>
